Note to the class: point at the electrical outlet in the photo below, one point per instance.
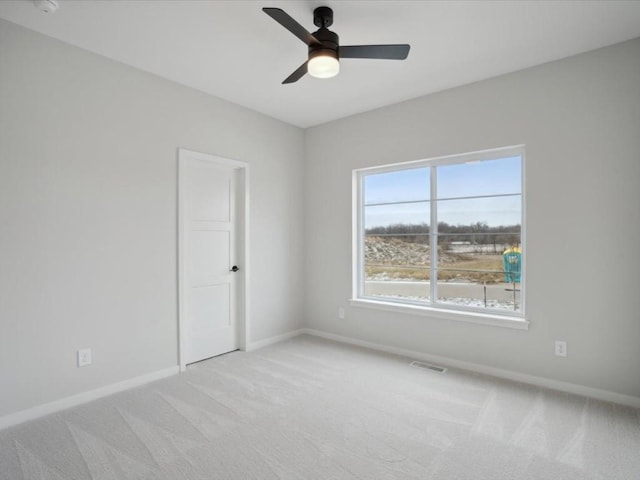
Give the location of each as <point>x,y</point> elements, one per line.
<point>561,348</point>
<point>341,313</point>
<point>84,357</point>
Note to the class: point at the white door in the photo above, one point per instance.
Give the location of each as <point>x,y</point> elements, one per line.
<point>208,291</point>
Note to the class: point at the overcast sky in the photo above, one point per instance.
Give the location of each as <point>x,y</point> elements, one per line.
<point>492,177</point>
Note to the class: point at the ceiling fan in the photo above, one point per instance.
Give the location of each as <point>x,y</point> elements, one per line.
<point>325,51</point>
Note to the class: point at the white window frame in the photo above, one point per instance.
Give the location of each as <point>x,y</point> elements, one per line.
<point>517,320</point>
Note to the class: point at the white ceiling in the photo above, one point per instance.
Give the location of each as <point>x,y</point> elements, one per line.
<point>232,50</point>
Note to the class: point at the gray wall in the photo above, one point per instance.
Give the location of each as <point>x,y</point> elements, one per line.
<point>580,121</point>
<point>88,205</point>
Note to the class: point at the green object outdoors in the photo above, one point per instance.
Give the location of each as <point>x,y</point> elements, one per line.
<point>512,260</point>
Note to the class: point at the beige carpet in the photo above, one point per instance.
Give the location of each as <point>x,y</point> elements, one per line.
<point>313,409</point>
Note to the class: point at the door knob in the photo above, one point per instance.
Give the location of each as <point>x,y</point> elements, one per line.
<point>234,268</point>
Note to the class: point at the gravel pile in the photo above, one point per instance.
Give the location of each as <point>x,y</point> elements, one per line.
<point>391,251</point>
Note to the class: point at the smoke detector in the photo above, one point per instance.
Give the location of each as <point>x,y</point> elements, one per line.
<point>46,6</point>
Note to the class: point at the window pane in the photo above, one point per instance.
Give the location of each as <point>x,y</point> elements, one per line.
<point>396,222</point>
<point>399,186</point>
<point>490,177</point>
<point>395,215</point>
<point>394,291</point>
<point>470,266</point>
<point>481,212</point>
<point>452,247</point>
<point>480,270</point>
<point>467,289</point>
<point>397,266</point>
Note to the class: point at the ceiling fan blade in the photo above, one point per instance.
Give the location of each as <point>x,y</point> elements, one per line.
<point>297,75</point>
<point>284,19</point>
<point>385,52</point>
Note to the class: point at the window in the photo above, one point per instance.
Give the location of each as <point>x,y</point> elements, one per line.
<point>443,234</point>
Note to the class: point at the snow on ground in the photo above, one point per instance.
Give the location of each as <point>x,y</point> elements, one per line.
<point>467,302</point>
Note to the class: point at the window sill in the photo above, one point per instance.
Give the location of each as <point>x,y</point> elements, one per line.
<point>460,316</point>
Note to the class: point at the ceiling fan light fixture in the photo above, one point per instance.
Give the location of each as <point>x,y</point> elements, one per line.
<point>323,64</point>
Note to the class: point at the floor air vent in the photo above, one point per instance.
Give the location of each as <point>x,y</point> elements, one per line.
<point>428,366</point>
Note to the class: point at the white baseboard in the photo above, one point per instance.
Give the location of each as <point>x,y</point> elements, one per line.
<point>271,340</point>
<point>84,397</point>
<point>573,388</point>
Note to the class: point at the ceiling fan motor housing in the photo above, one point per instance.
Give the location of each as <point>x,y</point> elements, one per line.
<point>329,42</point>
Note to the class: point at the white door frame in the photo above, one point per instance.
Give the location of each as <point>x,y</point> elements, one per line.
<point>242,242</point>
